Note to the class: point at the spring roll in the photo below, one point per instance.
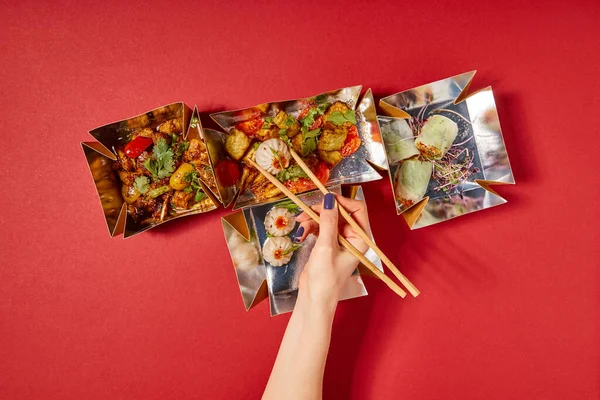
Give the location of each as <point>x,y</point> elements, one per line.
<point>437,135</point>
<point>399,141</point>
<point>411,181</point>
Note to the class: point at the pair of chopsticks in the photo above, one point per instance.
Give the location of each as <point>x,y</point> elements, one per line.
<point>347,245</point>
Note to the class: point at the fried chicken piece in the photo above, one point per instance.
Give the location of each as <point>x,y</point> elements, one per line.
<point>196,152</point>
<point>171,126</point>
<point>182,199</point>
<point>141,169</point>
<point>144,208</point>
<point>126,177</point>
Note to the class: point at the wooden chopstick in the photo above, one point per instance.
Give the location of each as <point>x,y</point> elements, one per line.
<point>363,235</point>
<point>360,256</point>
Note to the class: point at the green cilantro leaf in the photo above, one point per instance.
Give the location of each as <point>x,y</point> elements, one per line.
<point>193,179</point>
<point>181,148</point>
<point>293,172</point>
<point>199,196</point>
<point>141,184</point>
<point>310,118</point>
<point>309,145</point>
<point>339,119</point>
<point>161,165</point>
<point>312,134</point>
<point>290,121</point>
<point>323,107</point>
<point>350,116</point>
<point>283,132</point>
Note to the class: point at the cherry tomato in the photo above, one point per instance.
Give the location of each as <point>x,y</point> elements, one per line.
<point>137,146</point>
<point>251,126</point>
<point>228,172</point>
<point>317,124</point>
<point>321,171</point>
<point>299,185</point>
<point>352,142</point>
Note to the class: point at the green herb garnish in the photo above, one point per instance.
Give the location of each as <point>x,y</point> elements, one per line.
<point>293,172</point>
<point>290,121</point>
<point>309,142</point>
<point>339,119</point>
<point>193,179</point>
<point>310,118</point>
<point>181,148</point>
<point>141,184</point>
<point>161,165</point>
<point>323,107</point>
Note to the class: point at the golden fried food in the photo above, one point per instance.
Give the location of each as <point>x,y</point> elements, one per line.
<point>182,199</point>
<point>236,144</point>
<point>196,152</point>
<point>332,138</point>
<point>331,158</point>
<point>272,132</point>
<point>287,123</point>
<point>171,126</point>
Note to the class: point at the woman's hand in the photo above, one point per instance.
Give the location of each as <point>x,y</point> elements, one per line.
<point>298,370</point>
<point>330,265</point>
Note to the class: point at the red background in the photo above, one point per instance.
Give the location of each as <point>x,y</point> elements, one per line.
<point>509,305</point>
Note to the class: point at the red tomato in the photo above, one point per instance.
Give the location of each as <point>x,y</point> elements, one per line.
<point>137,146</point>
<point>228,172</point>
<point>251,126</point>
<point>321,171</point>
<point>317,124</point>
<point>352,142</point>
<point>299,185</point>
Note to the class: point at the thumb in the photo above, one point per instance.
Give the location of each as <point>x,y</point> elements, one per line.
<point>328,229</point>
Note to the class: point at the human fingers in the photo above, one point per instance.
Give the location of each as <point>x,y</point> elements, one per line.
<point>328,228</point>
<point>305,229</point>
<point>305,217</point>
<point>357,210</point>
<point>348,232</point>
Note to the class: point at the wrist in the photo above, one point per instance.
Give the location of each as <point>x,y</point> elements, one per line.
<point>322,307</point>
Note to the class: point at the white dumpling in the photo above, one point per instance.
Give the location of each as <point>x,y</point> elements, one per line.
<point>411,181</point>
<point>273,155</point>
<point>279,221</point>
<point>243,253</point>
<point>278,251</point>
<point>437,135</point>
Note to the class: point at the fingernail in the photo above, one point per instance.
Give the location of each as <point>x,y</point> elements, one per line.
<point>329,201</point>
<point>298,234</point>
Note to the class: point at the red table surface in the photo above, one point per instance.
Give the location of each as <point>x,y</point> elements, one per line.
<point>509,306</point>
